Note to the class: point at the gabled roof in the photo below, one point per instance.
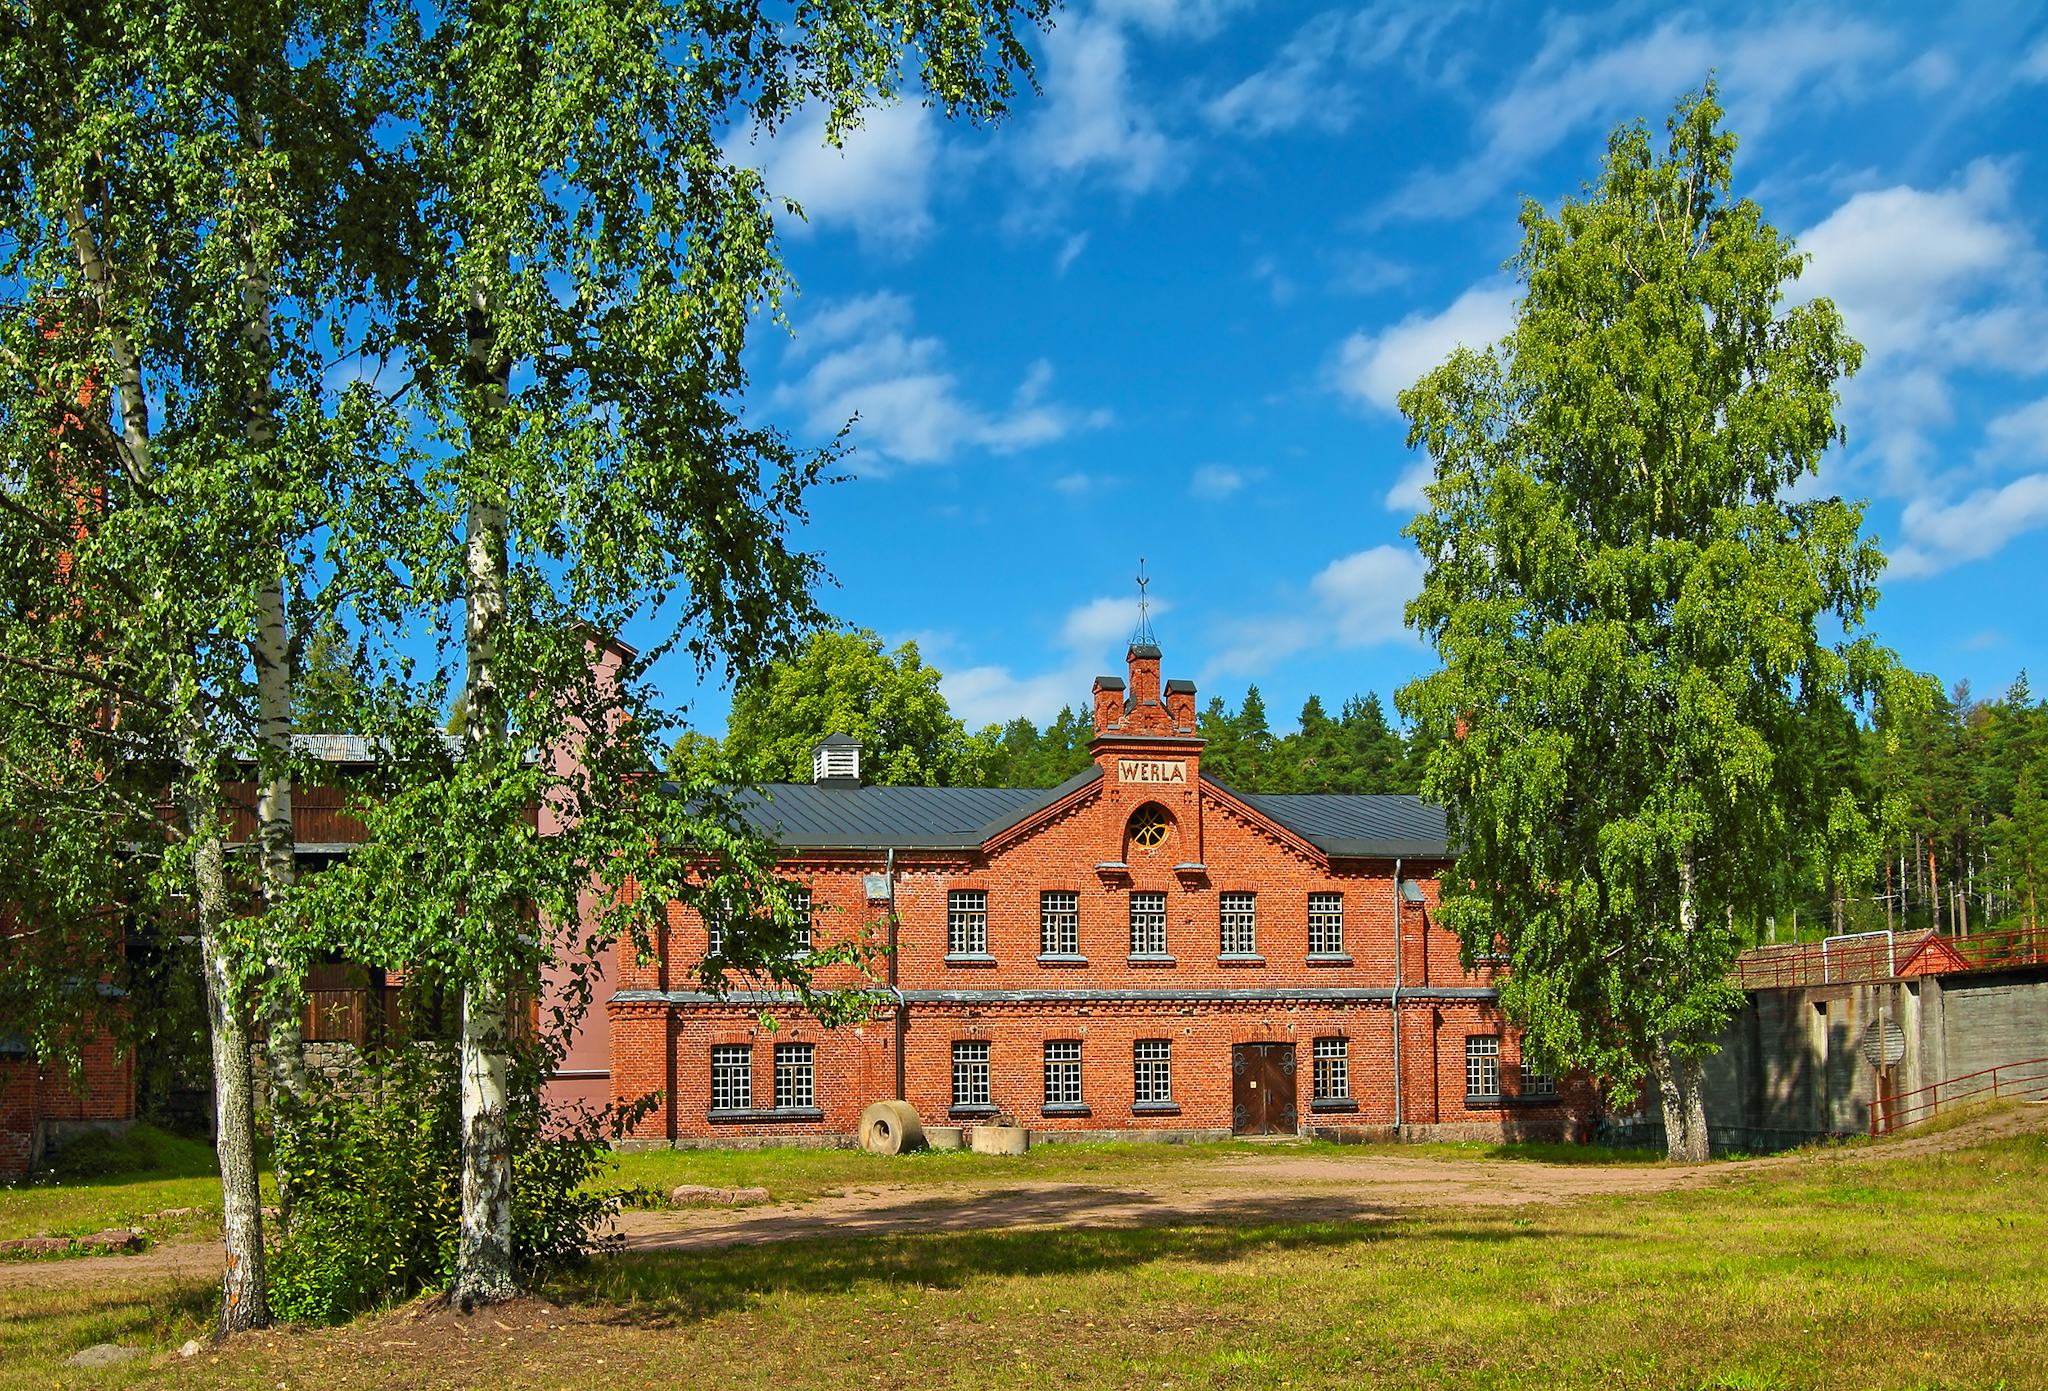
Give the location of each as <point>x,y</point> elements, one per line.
<point>806,816</point>
<point>1372,826</point>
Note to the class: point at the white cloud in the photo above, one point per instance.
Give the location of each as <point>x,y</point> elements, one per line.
<point>1367,592</point>
<point>1900,263</point>
<point>1406,494</point>
<point>1090,637</point>
<point>1187,18</point>
<point>1378,367</point>
<point>2020,434</point>
<point>1101,623</point>
<point>1358,600</point>
<point>2034,67</point>
<point>1219,481</point>
<point>1580,80</point>
<point>1089,123</point>
<point>1070,250</point>
<point>878,184</point>
<point>1311,81</point>
<point>1942,286</point>
<point>862,358</point>
<point>1939,535</point>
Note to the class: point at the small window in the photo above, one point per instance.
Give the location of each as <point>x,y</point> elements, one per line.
<point>1537,1082</point>
<point>1240,935</point>
<point>1152,1078</point>
<point>1333,1069</point>
<point>795,1076</point>
<point>1063,1072</point>
<point>1149,827</point>
<point>967,922</point>
<point>1059,923</point>
<point>1326,924</point>
<point>1148,924</point>
<point>732,1077</point>
<point>1482,1066</point>
<point>800,917</point>
<point>714,928</point>
<point>970,1073</point>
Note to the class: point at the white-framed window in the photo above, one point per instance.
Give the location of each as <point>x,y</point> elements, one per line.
<point>796,1078</point>
<point>1332,1069</point>
<point>800,917</point>
<point>1240,923</point>
<point>1152,1069</point>
<point>714,928</point>
<point>1148,923</point>
<point>1326,924</point>
<point>1063,1072</point>
<point>970,1072</point>
<point>967,922</point>
<point>1059,923</point>
<point>1537,1082</point>
<point>1482,1066</point>
<point>732,1077</point>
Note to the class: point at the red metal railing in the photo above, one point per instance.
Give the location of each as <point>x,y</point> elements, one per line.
<point>1882,956</point>
<point>2023,1081</point>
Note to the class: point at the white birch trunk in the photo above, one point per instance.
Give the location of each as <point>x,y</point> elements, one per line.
<point>1681,1080</point>
<point>270,655</point>
<point>245,1299</point>
<point>244,1293</point>
<point>483,1272</point>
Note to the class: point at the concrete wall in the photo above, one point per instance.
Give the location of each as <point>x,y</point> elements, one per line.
<point>1793,1066</point>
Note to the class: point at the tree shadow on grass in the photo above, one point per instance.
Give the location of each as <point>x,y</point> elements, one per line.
<point>939,1245</point>
<point>57,1321</point>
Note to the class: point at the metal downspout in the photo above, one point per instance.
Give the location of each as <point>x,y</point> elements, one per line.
<point>1397,996</point>
<point>895,991</point>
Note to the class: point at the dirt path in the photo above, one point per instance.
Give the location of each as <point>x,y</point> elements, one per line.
<point>1238,1190</point>
<point>1247,1190</point>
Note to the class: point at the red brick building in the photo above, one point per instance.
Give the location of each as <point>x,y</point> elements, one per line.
<point>41,1100</point>
<point>1140,950</point>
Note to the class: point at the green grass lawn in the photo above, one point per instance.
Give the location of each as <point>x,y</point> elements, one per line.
<point>99,1181</point>
<point>1833,1271</point>
<point>795,1175</point>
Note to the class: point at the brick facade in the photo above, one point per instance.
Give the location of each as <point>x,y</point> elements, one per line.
<point>39,1100</point>
<point>1196,997</point>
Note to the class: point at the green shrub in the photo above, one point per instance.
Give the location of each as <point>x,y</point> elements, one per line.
<point>374,1163</point>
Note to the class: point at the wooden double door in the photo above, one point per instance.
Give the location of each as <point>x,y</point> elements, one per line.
<point>1262,1089</point>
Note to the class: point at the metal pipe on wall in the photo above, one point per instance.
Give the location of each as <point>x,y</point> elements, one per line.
<point>902,1005</point>
<point>1397,995</point>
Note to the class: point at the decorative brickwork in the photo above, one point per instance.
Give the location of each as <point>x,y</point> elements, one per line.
<point>1016,997</point>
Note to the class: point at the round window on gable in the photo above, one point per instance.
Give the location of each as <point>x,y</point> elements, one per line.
<point>1149,827</point>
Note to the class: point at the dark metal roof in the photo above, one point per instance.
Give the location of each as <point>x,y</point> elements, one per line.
<point>1109,683</point>
<point>809,816</point>
<point>1376,826</point>
<point>837,741</point>
<point>1179,684</point>
<point>806,816</point>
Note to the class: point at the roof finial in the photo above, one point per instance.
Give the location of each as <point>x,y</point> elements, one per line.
<point>1143,636</point>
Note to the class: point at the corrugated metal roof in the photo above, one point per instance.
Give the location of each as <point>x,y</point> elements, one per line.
<point>803,815</point>
<point>1376,825</point>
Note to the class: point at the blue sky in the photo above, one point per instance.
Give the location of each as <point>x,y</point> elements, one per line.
<point>1163,311</point>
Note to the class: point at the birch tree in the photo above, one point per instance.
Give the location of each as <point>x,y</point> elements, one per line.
<point>156,506</point>
<point>589,254</point>
<point>1637,607</point>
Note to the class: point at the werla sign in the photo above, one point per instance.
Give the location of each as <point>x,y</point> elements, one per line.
<point>1152,770</point>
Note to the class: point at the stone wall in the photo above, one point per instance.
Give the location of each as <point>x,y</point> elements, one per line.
<point>1795,1064</point>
